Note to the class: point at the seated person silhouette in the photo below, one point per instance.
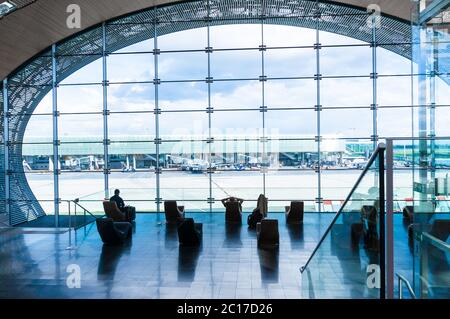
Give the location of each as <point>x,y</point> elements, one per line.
<point>232,199</point>
<point>233,207</point>
<point>128,210</point>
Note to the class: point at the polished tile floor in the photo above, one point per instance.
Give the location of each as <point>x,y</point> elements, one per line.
<point>153,265</point>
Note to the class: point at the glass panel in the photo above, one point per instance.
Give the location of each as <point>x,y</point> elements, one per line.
<point>40,180</point>
<point>237,180</point>
<point>80,127</point>
<point>39,130</point>
<point>121,126</point>
<point>224,37</point>
<point>442,118</point>
<point>336,185</point>
<point>346,264</point>
<point>236,95</point>
<point>334,61</point>
<point>132,154</point>
<point>346,92</point>
<point>183,66</point>
<point>87,186</point>
<point>195,39</point>
<point>291,93</point>
<point>390,63</point>
<point>184,176</point>
<point>81,156</point>
<point>285,36</point>
<point>80,98</point>
<point>289,184</point>
<point>237,123</point>
<point>236,65</point>
<point>131,97</point>
<point>394,91</point>
<point>183,96</point>
<point>433,254</point>
<point>131,67</point>
<point>183,125</point>
<point>137,189</point>
<point>297,123</point>
<point>347,122</point>
<point>390,125</point>
<point>290,63</point>
<point>91,73</point>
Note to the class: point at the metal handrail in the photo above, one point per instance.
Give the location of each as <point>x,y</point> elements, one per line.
<point>75,201</point>
<point>436,242</point>
<point>381,148</point>
<point>401,280</point>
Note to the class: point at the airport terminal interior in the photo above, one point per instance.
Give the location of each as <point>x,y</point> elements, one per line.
<point>232,149</point>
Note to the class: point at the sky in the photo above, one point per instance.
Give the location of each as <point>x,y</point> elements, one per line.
<point>227,96</point>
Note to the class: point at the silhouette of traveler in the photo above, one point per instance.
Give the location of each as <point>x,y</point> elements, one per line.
<point>119,201</point>
<point>233,212</point>
<point>129,211</point>
<point>231,199</point>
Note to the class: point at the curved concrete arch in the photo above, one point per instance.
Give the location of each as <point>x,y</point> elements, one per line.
<point>33,81</point>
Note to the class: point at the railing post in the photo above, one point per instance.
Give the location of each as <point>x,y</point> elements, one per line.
<point>71,247</point>
<point>382,224</point>
<point>390,218</point>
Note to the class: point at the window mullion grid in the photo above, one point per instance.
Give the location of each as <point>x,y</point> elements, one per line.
<point>156,83</point>
<point>265,156</point>
<point>209,113</point>
<point>374,77</point>
<point>55,114</point>
<point>318,108</point>
<point>105,114</point>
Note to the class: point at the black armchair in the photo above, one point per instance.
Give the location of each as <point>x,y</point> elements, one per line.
<point>174,213</point>
<point>190,233</point>
<point>113,233</point>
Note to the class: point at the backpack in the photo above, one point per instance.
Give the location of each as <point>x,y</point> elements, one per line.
<point>254,218</point>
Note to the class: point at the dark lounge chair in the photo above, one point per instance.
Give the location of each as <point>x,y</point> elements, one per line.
<point>233,213</point>
<point>294,213</point>
<point>267,233</point>
<point>174,213</point>
<point>369,218</point>
<point>190,233</point>
<point>113,233</point>
<point>408,213</point>
<point>113,212</point>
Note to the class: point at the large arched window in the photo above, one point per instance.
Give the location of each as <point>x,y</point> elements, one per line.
<point>254,127</point>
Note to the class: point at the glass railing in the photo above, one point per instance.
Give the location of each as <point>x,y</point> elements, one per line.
<point>432,261</point>
<point>347,262</point>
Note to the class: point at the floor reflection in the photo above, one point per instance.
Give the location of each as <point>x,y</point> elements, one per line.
<point>269,263</point>
<point>155,266</point>
<point>187,262</point>
<point>233,236</point>
<point>107,265</point>
<point>296,235</point>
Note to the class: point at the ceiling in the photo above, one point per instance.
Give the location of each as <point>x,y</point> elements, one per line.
<point>41,23</point>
